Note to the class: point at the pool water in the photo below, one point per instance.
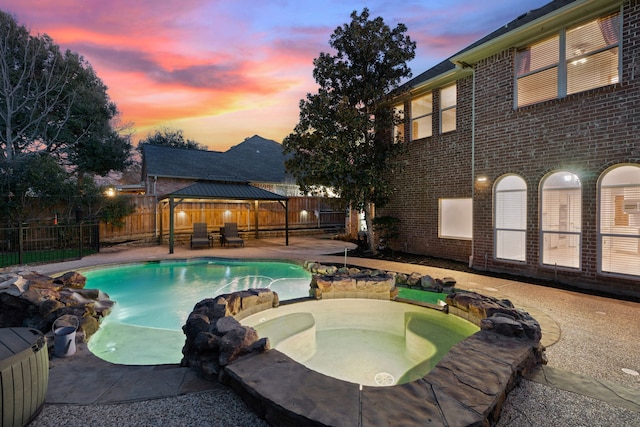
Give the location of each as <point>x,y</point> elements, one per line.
<point>154,299</point>
<point>421,295</point>
<point>368,342</point>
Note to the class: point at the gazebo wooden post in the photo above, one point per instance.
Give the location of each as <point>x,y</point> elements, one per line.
<point>257,206</point>
<point>161,223</point>
<point>171,223</point>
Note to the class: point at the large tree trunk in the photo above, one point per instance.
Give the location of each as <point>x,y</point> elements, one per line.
<point>368,218</point>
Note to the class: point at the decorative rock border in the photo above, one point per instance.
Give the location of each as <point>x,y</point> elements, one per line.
<point>329,281</point>
<point>467,387</point>
<point>215,337</point>
<point>372,285</point>
<point>34,300</point>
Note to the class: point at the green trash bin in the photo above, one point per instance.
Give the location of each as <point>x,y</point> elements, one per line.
<point>24,375</point>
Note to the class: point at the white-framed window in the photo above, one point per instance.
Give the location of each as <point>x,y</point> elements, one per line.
<point>510,210</point>
<point>398,127</point>
<point>448,100</point>
<point>456,219</point>
<point>619,222</point>
<point>578,58</point>
<point>561,219</point>
<point>422,116</point>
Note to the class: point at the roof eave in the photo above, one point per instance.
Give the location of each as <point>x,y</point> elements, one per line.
<point>440,80</point>
<point>537,29</point>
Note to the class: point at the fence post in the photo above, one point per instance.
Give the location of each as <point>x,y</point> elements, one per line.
<point>20,243</point>
<point>96,236</point>
<point>80,238</point>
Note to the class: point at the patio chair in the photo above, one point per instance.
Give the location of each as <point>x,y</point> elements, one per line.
<point>230,234</point>
<point>200,238</point>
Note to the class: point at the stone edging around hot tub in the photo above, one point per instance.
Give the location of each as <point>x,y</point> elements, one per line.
<point>467,387</point>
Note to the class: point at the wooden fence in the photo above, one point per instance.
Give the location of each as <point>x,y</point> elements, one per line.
<point>149,221</point>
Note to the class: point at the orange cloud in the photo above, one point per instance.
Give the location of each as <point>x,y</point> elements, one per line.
<point>225,70</point>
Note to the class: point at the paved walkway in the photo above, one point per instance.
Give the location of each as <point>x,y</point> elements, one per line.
<point>592,346</point>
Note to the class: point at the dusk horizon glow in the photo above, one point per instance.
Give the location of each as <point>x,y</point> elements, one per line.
<point>223,71</point>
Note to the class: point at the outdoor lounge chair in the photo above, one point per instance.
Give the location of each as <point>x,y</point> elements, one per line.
<point>230,234</point>
<point>200,237</point>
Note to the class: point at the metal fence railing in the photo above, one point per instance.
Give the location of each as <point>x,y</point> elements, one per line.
<point>28,244</point>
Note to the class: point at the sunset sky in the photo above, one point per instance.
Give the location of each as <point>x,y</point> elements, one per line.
<point>225,70</point>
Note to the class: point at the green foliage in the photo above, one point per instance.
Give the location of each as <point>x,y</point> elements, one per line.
<point>344,140</point>
<point>387,229</point>
<point>52,101</point>
<point>34,186</point>
<point>170,138</point>
<point>30,184</point>
<point>115,209</point>
<point>56,126</point>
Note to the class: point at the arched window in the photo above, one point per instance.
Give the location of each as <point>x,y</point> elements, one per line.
<point>561,220</point>
<point>620,220</point>
<point>510,233</point>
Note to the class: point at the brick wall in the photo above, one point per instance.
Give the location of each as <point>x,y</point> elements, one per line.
<point>585,133</point>
<point>432,168</point>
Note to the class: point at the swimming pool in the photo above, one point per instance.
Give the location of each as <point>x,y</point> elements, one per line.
<point>153,300</point>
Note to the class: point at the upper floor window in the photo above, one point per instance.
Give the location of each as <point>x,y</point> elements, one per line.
<point>576,59</point>
<point>448,108</point>
<point>421,116</point>
<point>398,127</point>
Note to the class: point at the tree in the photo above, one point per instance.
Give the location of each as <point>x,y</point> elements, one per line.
<point>56,126</point>
<point>52,101</point>
<point>344,139</point>
<point>387,228</point>
<point>170,138</point>
<point>31,184</point>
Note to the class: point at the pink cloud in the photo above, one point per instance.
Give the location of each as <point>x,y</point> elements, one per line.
<point>215,63</point>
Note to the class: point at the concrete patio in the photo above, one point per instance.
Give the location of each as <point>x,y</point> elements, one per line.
<point>592,347</point>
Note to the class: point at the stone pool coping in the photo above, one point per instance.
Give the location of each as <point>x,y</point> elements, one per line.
<point>467,387</point>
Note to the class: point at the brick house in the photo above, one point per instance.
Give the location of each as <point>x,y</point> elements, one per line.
<point>523,150</point>
<point>228,183</point>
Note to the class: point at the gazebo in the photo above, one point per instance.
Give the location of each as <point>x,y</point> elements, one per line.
<point>221,191</point>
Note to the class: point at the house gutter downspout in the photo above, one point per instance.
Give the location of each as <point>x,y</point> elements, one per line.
<point>473,161</point>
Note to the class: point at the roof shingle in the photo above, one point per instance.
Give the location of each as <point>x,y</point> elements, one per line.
<point>254,160</point>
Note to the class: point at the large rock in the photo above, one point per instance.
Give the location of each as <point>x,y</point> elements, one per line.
<point>499,316</point>
<point>235,343</point>
<point>414,279</point>
<point>72,279</point>
<point>34,300</point>
<point>354,284</point>
<point>214,336</point>
<point>13,284</point>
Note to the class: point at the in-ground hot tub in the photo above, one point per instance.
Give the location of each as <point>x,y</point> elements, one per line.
<point>367,342</point>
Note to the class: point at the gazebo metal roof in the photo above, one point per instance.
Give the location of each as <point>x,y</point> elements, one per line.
<point>225,190</point>
<point>215,190</point>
